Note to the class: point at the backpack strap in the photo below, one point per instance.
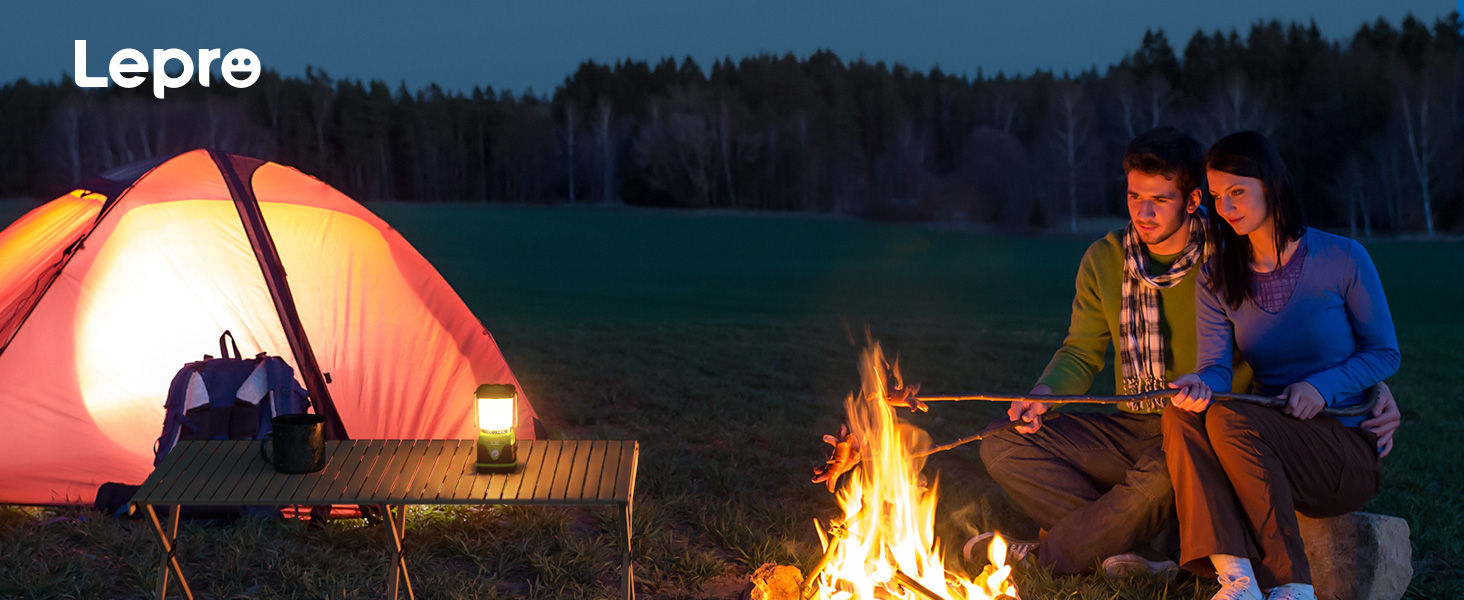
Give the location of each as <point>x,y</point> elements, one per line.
<point>224,350</point>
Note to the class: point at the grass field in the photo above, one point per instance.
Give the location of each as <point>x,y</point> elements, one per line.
<point>725,344</point>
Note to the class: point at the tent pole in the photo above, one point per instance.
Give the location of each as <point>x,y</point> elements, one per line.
<point>268,258</point>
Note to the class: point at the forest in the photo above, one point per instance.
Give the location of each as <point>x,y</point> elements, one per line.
<point>1371,127</point>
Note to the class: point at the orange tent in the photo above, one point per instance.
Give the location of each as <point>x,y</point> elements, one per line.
<point>106,292</point>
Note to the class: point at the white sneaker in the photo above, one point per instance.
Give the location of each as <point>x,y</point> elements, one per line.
<point>1130,564</point>
<point>1292,591</point>
<point>1240,588</point>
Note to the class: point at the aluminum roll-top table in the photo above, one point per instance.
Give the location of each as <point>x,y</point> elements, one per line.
<point>391,474</point>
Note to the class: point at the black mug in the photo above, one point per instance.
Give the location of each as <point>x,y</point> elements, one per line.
<point>298,443</point>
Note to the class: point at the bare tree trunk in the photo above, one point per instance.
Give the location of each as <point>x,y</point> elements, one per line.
<point>607,192</point>
<point>213,122</point>
<point>772,186</point>
<point>1161,95</point>
<point>1068,134</point>
<point>320,106</point>
<point>807,180</point>
<point>1004,110</point>
<point>142,122</point>
<point>1126,101</point>
<point>1125,84</point>
<point>724,132</point>
<point>70,121</point>
<point>272,87</point>
<point>1236,108</point>
<point>383,157</point>
<point>482,166</point>
<point>569,127</point>
<point>1422,150</point>
<point>1359,194</point>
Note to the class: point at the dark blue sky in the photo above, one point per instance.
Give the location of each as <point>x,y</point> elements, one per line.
<point>538,42</point>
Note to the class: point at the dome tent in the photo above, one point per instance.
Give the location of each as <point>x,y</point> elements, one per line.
<point>107,291</point>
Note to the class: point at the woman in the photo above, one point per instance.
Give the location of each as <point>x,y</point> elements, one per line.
<point>1306,310</point>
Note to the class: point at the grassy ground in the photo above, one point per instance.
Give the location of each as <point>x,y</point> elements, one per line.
<point>725,344</point>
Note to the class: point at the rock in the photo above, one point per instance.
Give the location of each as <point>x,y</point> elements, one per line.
<point>1358,556</point>
<point>775,582</point>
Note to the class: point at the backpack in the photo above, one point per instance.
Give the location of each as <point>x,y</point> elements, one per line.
<point>228,398</point>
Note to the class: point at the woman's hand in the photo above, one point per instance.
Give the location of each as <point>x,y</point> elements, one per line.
<point>1030,412</point>
<point>1385,420</point>
<point>1193,396</point>
<point>1303,401</point>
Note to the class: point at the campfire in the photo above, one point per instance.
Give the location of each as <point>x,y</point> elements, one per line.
<point>884,546</point>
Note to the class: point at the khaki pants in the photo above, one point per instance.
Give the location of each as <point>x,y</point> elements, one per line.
<point>1241,472</point>
<point>1096,482</point>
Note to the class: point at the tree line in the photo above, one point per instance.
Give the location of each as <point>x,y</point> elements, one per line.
<point>1371,127</point>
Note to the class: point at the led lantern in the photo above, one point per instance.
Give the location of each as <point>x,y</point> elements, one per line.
<point>497,413</point>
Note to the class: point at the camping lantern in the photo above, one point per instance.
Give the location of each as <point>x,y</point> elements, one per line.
<point>497,413</point>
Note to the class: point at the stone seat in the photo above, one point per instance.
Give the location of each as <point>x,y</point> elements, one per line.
<point>1358,556</point>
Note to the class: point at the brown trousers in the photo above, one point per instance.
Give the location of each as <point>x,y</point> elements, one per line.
<point>1241,472</point>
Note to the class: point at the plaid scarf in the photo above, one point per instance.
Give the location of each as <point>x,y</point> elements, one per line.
<point>1140,346</point>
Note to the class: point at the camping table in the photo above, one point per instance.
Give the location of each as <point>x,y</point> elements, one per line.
<point>391,474</point>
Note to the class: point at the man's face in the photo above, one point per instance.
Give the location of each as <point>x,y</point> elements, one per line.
<point>1158,210</point>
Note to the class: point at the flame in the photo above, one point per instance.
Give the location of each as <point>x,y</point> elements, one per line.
<point>888,524</point>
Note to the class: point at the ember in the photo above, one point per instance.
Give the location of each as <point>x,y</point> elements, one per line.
<point>884,545</point>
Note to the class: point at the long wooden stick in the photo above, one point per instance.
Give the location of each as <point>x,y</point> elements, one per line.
<point>990,429</point>
<point>1154,395</point>
<point>1372,401</point>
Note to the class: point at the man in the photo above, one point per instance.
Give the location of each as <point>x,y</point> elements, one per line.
<point>1097,483</point>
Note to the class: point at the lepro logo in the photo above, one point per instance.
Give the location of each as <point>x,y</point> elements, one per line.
<point>240,68</point>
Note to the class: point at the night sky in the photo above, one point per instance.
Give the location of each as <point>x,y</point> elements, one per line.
<point>537,43</point>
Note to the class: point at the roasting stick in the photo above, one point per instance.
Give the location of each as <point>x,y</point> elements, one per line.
<point>1365,408</point>
<point>1154,395</point>
<point>990,429</point>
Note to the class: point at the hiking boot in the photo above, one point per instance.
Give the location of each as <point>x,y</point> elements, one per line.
<point>1130,564</point>
<point>1240,588</point>
<point>1017,550</point>
<point>1292,591</point>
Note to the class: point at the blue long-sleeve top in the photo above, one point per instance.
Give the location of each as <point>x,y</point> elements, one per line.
<point>1335,333</point>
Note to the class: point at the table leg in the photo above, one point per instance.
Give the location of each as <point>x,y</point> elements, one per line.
<point>169,562</point>
<point>397,574</point>
<point>627,580</point>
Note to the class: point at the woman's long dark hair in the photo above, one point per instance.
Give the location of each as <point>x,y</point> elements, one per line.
<point>1250,154</point>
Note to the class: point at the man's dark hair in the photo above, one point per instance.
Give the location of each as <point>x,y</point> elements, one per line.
<point>1169,152</point>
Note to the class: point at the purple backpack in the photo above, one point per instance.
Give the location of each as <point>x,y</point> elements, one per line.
<point>228,398</point>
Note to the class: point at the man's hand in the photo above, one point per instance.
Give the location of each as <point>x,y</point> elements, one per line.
<point>1385,419</point>
<point>1030,412</point>
<point>1193,396</point>
<point>1303,401</point>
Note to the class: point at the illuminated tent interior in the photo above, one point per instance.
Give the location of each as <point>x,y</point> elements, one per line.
<point>106,292</point>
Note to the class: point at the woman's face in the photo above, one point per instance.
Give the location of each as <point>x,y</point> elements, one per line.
<point>1241,201</point>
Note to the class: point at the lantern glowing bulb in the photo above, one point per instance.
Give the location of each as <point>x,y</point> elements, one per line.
<point>497,450</point>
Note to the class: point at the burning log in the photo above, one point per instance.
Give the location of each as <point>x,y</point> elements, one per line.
<point>915,586</point>
<point>837,532</point>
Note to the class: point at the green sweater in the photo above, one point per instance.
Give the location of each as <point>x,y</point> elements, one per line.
<point>1095,322</point>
